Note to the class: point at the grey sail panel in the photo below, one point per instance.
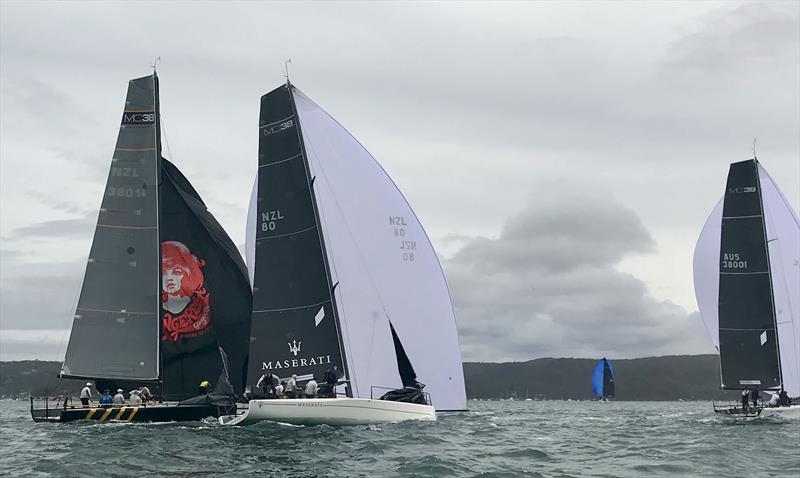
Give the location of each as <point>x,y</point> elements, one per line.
<point>116,327</point>
<point>747,339</point>
<point>294,326</point>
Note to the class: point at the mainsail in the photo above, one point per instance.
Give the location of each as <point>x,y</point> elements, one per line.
<point>603,379</point>
<point>115,333</point>
<point>379,261</point>
<point>747,282</point>
<point>165,287</point>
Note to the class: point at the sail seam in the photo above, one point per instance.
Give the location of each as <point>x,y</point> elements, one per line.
<point>281,161</point>
<point>115,311</point>
<point>276,122</point>
<point>742,273</point>
<point>287,234</point>
<point>749,330</point>
<point>742,217</point>
<point>116,226</point>
<point>292,308</point>
<point>134,149</point>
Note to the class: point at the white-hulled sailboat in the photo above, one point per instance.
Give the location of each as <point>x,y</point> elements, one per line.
<point>343,275</point>
<point>747,284</point>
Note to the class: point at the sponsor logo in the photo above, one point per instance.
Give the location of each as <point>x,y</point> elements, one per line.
<point>296,363</point>
<point>139,117</point>
<point>294,347</point>
<point>742,190</point>
<point>185,302</point>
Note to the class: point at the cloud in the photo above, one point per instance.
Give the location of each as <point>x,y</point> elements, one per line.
<point>25,344</point>
<point>57,229</point>
<point>548,285</point>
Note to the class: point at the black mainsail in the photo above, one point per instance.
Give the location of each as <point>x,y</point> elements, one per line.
<point>166,293</point>
<point>115,333</point>
<point>295,326</point>
<point>747,340</point>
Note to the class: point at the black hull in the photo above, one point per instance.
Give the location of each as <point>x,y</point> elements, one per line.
<point>736,411</point>
<point>152,413</point>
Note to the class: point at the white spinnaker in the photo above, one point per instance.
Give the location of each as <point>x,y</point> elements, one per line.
<point>706,272</point>
<point>783,238</point>
<point>370,231</point>
<point>250,234</point>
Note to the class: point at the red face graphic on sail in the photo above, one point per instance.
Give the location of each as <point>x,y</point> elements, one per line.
<point>187,312</point>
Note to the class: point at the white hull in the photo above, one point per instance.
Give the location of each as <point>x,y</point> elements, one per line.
<point>331,411</point>
<point>792,411</point>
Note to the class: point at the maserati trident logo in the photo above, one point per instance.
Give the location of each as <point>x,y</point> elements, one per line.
<point>294,347</point>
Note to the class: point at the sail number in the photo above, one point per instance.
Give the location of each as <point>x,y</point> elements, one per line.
<point>269,220</point>
<point>129,193</point>
<point>732,261</point>
<point>408,247</point>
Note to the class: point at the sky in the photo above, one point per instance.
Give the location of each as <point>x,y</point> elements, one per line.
<point>562,156</point>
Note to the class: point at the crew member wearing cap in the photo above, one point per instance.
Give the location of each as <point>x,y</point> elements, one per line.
<point>119,398</point>
<point>86,394</point>
<point>203,388</point>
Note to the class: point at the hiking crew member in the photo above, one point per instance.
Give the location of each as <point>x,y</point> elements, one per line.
<point>105,398</point>
<point>135,398</point>
<point>86,394</point>
<point>291,387</point>
<point>119,398</point>
<point>754,397</point>
<point>311,389</point>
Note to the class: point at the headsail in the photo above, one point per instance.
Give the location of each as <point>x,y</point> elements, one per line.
<point>115,333</point>
<point>205,299</point>
<point>384,264</point>
<point>295,326</point>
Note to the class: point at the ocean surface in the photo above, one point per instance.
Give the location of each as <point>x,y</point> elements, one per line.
<point>492,439</point>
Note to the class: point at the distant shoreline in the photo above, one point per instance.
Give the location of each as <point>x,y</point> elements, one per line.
<point>665,378</point>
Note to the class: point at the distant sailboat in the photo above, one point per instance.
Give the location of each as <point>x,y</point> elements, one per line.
<point>343,275</point>
<point>603,380</point>
<point>747,283</point>
<point>165,300</point>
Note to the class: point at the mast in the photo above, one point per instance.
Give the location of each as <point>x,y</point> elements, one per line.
<point>157,139</point>
<point>317,219</point>
<point>769,266</point>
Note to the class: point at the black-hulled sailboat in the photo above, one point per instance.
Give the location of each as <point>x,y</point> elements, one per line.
<point>165,301</point>
<point>603,380</point>
<point>343,275</point>
<point>747,283</point>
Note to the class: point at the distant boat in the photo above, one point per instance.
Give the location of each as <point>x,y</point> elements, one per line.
<point>165,300</point>
<point>343,275</point>
<point>603,380</point>
<point>747,283</point>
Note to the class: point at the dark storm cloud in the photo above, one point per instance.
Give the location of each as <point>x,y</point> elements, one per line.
<point>549,286</point>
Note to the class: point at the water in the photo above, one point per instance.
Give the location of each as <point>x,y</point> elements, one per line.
<point>493,439</point>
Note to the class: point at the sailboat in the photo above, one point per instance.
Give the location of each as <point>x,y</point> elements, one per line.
<point>343,276</point>
<point>603,380</point>
<point>747,284</point>
<point>165,300</point>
